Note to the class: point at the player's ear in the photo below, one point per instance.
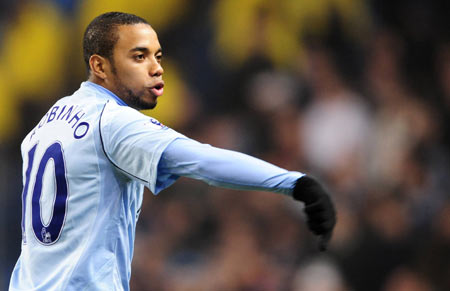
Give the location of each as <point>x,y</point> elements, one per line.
<point>98,66</point>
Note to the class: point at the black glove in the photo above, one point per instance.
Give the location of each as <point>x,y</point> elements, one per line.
<point>319,209</point>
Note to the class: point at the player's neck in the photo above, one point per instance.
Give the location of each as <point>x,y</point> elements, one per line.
<point>96,80</point>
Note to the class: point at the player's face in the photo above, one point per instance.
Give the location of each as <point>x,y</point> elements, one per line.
<point>136,71</point>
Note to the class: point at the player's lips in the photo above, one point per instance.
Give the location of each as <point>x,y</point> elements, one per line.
<point>157,89</point>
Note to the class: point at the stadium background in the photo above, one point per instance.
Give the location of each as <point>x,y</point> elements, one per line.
<point>354,92</point>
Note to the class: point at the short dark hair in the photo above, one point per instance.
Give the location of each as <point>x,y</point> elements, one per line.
<point>100,36</point>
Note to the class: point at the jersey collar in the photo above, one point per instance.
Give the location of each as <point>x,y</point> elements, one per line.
<point>105,91</point>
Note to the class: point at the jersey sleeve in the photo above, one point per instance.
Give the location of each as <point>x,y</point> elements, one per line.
<point>224,168</point>
<point>134,142</point>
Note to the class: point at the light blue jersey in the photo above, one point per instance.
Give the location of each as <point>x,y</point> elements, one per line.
<point>85,167</point>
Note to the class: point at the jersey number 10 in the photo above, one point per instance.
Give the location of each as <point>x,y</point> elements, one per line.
<point>46,234</point>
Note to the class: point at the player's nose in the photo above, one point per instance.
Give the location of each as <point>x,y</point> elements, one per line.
<point>156,69</point>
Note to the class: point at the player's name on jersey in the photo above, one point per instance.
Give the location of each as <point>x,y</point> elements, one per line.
<point>69,114</point>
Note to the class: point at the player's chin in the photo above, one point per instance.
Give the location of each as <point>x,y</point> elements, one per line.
<point>149,102</point>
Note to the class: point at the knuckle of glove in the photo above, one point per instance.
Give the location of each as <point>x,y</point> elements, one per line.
<point>323,207</point>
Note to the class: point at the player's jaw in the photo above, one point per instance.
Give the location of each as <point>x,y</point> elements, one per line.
<point>144,97</point>
<point>148,99</point>
<point>141,99</point>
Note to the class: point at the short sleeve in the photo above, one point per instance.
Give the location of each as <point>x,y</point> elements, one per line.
<point>134,142</point>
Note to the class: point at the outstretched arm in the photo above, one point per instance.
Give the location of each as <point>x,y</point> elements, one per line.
<point>230,169</point>
<point>224,168</point>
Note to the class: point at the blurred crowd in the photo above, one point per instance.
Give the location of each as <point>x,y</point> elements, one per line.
<point>356,93</point>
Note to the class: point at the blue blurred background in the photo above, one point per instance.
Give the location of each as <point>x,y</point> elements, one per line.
<point>354,92</point>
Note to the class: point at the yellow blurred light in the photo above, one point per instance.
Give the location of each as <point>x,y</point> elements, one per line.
<point>159,13</point>
<point>275,29</point>
<point>35,50</point>
<point>9,115</point>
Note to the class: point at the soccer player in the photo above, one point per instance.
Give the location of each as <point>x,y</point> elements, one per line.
<point>86,163</point>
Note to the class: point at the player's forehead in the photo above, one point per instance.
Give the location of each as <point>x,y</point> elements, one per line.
<point>136,35</point>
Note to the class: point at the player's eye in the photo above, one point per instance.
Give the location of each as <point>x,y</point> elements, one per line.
<point>159,58</point>
<point>139,57</point>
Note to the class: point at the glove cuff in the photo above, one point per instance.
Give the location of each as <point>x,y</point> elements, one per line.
<point>307,190</point>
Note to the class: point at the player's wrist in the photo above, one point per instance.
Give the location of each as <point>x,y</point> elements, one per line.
<point>308,190</point>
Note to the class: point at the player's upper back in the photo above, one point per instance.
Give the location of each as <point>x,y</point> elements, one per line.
<point>85,166</point>
<point>64,176</point>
